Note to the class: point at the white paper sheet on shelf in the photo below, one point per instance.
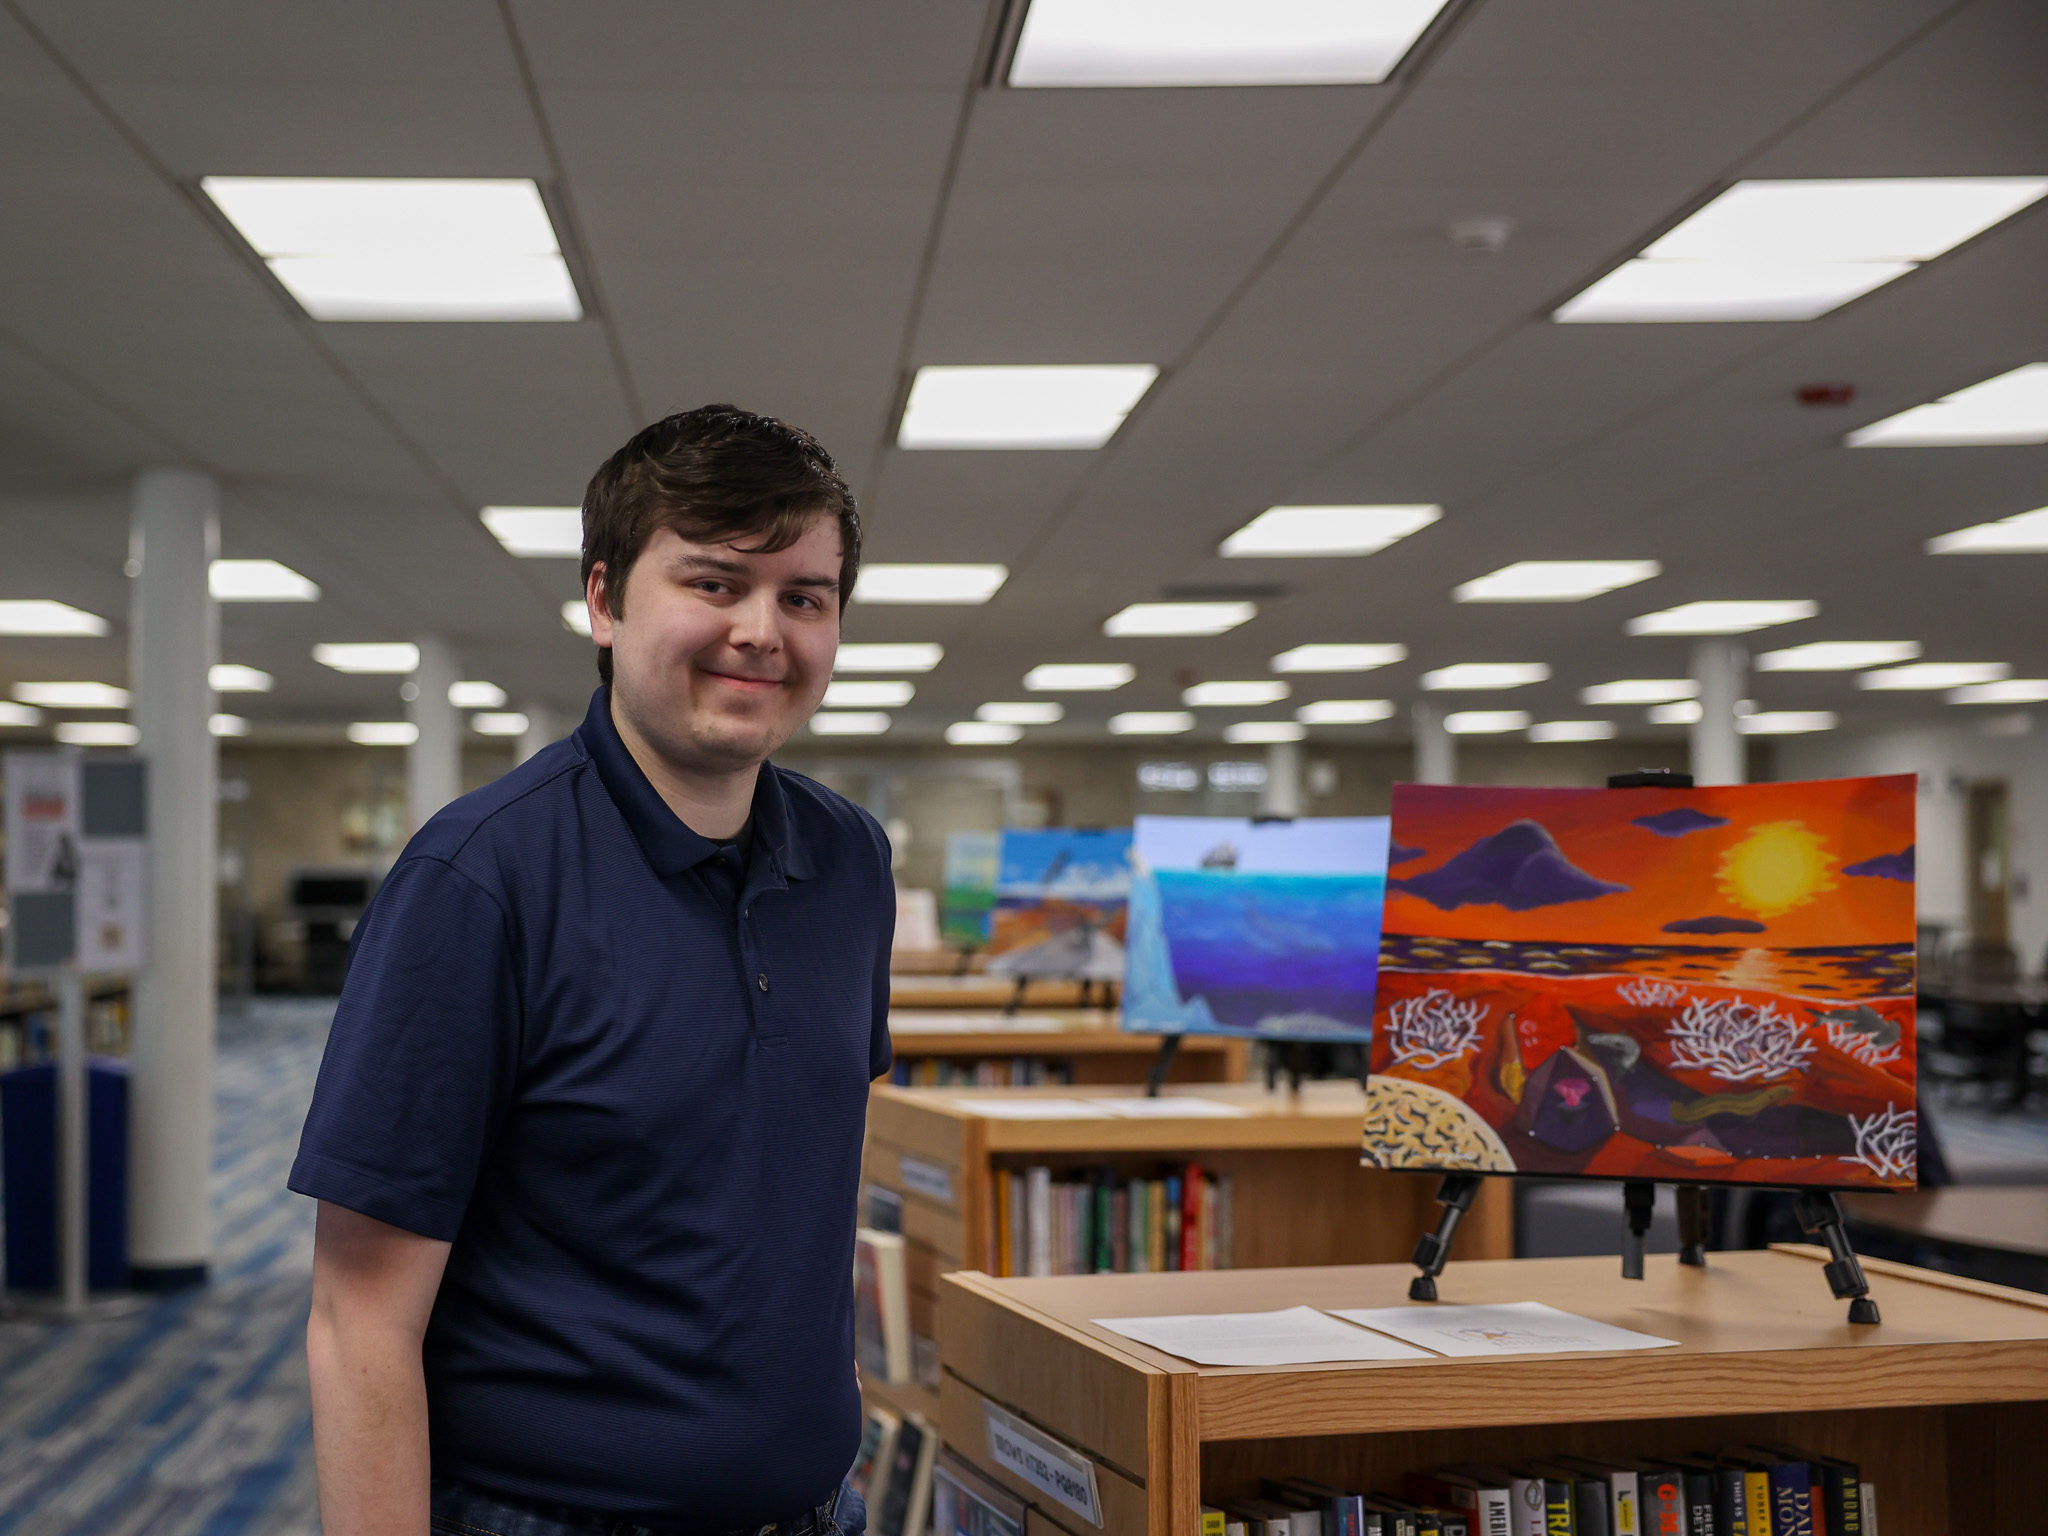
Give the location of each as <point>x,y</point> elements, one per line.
<point>1032,1109</point>
<point>906,1022</point>
<point>1508,1328</point>
<point>1172,1108</point>
<point>1296,1336</point>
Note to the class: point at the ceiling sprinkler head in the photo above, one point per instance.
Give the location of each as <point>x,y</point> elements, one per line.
<point>1486,234</point>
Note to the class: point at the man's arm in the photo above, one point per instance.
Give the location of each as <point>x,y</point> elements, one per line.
<point>373,1290</point>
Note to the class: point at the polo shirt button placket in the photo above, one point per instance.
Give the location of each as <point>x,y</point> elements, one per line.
<point>761,981</point>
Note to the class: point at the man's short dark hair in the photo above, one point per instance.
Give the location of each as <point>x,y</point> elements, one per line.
<point>716,475</point>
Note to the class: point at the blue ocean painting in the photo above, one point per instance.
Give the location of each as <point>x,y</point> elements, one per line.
<point>1215,947</point>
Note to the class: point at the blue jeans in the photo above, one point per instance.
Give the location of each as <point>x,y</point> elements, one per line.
<point>459,1510</point>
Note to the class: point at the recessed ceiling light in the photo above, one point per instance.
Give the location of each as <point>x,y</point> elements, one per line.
<point>1571,730</point>
<point>537,533</point>
<point>911,656</point>
<point>258,581</point>
<point>415,248</point>
<point>1151,722</point>
<point>982,733</point>
<point>2024,533</point>
<point>1640,690</point>
<point>98,733</point>
<point>226,725</point>
<point>1935,674</point>
<point>476,695</point>
<point>72,695</point>
<point>1721,618</point>
<point>1793,250</point>
<point>1247,733</point>
<point>1238,695</point>
<point>928,583</point>
<point>1485,722</point>
<point>576,616</point>
<point>2011,408</point>
<point>1685,712</point>
<point>380,656</point>
<point>1299,531</point>
<point>1118,43</point>
<point>41,616</point>
<point>1555,581</point>
<point>1079,676</point>
<point>1178,618</point>
<point>1485,674</point>
<point>867,695</point>
<point>1039,406</point>
<point>383,733</point>
<point>1786,722</point>
<point>2011,690</point>
<point>1338,658</point>
<point>1838,655</point>
<point>19,714</point>
<point>232,677</point>
<point>495,722</point>
<point>850,722</point>
<point>1046,713</point>
<point>1345,711</point>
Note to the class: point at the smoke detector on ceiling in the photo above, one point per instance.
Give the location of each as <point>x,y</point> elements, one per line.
<point>1484,234</point>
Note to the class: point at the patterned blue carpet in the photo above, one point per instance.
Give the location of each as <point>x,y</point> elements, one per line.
<point>189,1418</point>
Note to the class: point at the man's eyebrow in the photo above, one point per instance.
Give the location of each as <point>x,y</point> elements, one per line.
<point>828,583</point>
<point>741,568</point>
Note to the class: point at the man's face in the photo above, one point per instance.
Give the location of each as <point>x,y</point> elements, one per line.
<point>721,654</point>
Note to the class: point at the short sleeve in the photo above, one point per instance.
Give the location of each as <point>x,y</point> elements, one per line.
<point>422,1057</point>
<point>881,1053</point>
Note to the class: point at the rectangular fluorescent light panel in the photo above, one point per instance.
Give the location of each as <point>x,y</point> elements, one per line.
<point>2009,409</point>
<point>226,725</point>
<point>19,714</point>
<point>1345,711</point>
<point>1640,690</point>
<point>1555,581</point>
<point>383,733</point>
<point>72,695</point>
<point>1151,722</point>
<point>476,695</point>
<point>1292,532</point>
<point>1468,675</point>
<point>2024,533</point>
<point>1485,722</point>
<point>98,733</point>
<point>1047,713</point>
<point>1247,733</point>
<point>380,657</point>
<point>1722,618</point>
<point>499,722</point>
<point>231,677</point>
<point>1935,674</point>
<point>928,583</point>
<point>1127,43</point>
<point>1033,406</point>
<point>1793,250</point>
<point>1338,658</point>
<point>850,722</point>
<point>906,656</point>
<point>982,733</point>
<point>42,616</point>
<point>258,581</point>
<point>2011,690</point>
<point>537,533</point>
<point>1786,722</point>
<point>1240,695</point>
<point>576,616</point>
<point>867,695</point>
<point>1572,730</point>
<point>1838,655</point>
<point>1684,712</point>
<point>1178,618</point>
<point>362,248</point>
<point>1078,676</point>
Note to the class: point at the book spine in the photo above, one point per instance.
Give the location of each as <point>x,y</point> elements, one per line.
<point>1525,1500</point>
<point>1208,1223</point>
<point>1212,1521</point>
<point>1592,1508</point>
<point>1791,1487</point>
<point>1001,1181</point>
<point>1226,1230</point>
<point>1557,1509</point>
<point>1756,1502</point>
<point>1038,1221</point>
<point>1155,1226</point>
<point>1625,1489</point>
<point>1663,1504</point>
<point>1496,1517</point>
<point>1867,1499</point>
<point>1701,1517</point>
<point>1731,1503</point>
<point>1842,1500</point>
<point>1191,1218</point>
<point>1120,1228</point>
<point>1171,1235</point>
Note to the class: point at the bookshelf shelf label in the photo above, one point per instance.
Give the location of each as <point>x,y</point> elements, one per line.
<point>1066,1477</point>
<point>927,1179</point>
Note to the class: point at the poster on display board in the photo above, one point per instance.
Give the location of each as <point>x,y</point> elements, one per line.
<point>76,865</point>
<point>1267,929</point>
<point>967,895</point>
<point>1685,985</point>
<point>1060,896</point>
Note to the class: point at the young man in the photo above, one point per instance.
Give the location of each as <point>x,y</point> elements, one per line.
<point>586,1139</point>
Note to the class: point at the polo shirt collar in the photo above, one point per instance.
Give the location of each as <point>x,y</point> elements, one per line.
<point>670,846</point>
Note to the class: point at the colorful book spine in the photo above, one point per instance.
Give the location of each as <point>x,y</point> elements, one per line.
<point>1001,1236</point>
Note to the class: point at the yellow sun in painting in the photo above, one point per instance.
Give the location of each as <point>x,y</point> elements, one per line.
<point>1779,866</point>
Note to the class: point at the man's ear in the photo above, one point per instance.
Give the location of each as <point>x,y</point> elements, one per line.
<point>600,612</point>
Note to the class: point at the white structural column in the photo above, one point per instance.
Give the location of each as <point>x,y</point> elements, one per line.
<point>174,637</point>
<point>1282,794</point>
<point>542,730</point>
<point>433,763</point>
<point>1721,668</point>
<point>1436,749</point>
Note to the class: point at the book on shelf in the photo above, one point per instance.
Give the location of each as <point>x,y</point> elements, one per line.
<point>882,1208</point>
<point>1096,1221</point>
<point>881,1306</point>
<point>906,1502</point>
<point>948,1072</point>
<point>870,1474</point>
<point>965,1503</point>
<point>1622,1490</point>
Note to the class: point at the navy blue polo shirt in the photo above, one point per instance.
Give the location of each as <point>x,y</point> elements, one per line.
<point>630,1088</point>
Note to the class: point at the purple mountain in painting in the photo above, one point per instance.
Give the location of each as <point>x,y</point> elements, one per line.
<point>1399,855</point>
<point>1678,822</point>
<point>1886,866</point>
<point>1519,867</point>
<point>1713,925</point>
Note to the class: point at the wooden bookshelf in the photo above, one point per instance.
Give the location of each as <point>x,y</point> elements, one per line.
<point>976,990</point>
<point>1087,1041</point>
<point>1944,1404</point>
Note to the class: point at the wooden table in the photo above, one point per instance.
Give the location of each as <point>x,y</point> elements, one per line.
<point>1089,1044</point>
<point>2002,1218</point>
<point>980,991</point>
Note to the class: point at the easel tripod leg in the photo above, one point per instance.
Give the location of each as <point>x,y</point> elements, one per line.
<point>1695,1224</point>
<point>1821,1214</point>
<point>1433,1249</point>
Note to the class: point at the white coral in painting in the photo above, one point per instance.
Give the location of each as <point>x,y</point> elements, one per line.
<point>1739,1042</point>
<point>1885,1142</point>
<point>1859,1046</point>
<point>1434,1029</point>
<point>1651,994</point>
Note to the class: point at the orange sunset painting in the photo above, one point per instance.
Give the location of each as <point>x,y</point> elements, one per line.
<point>1685,985</point>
